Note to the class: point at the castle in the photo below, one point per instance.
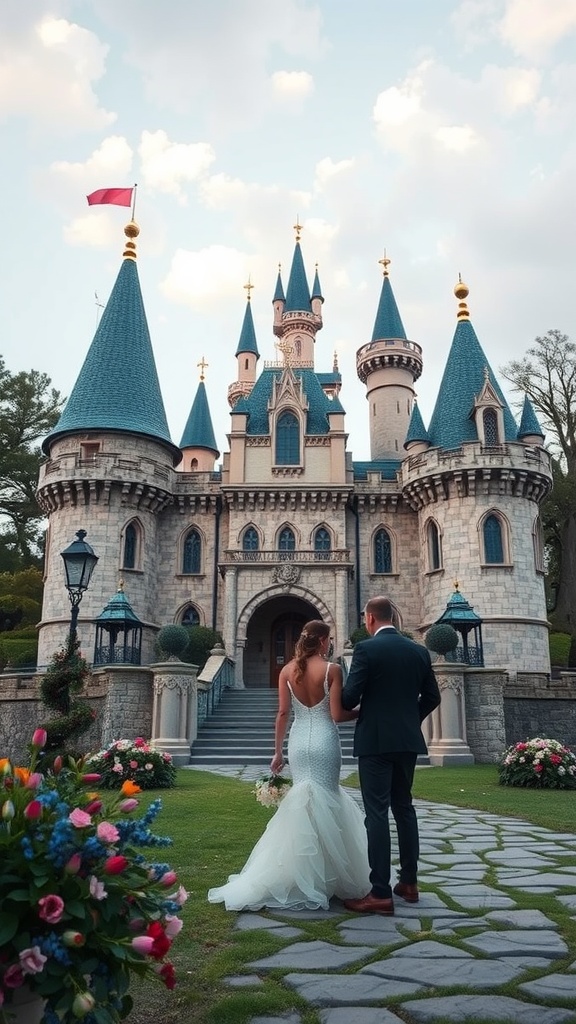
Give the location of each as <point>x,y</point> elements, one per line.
<point>289,527</point>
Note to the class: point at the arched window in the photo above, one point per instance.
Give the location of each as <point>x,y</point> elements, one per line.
<point>190,616</point>
<point>493,545</point>
<point>287,440</point>
<point>382,551</point>
<point>322,542</point>
<point>192,553</point>
<point>130,546</point>
<point>538,541</point>
<point>250,540</point>
<point>490,420</point>
<point>434,546</point>
<point>286,543</point>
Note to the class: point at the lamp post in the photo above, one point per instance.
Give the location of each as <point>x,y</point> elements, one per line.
<point>79,564</point>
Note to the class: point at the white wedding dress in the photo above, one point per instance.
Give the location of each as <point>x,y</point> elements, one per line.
<point>314,847</point>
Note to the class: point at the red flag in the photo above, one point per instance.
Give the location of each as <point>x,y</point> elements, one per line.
<point>114,196</point>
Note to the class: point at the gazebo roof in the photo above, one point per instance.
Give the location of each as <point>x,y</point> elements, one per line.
<point>459,612</point>
<point>118,612</point>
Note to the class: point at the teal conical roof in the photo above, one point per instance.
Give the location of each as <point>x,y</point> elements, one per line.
<point>416,429</point>
<point>279,292</point>
<point>529,422</point>
<point>117,388</point>
<point>388,323</point>
<point>298,293</point>
<point>119,610</point>
<point>464,376</point>
<point>316,289</point>
<point>247,342</point>
<point>198,432</point>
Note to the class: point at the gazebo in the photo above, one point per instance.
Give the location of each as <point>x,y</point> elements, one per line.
<point>461,615</point>
<point>118,633</point>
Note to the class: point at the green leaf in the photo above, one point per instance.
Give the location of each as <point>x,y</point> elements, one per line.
<point>8,927</point>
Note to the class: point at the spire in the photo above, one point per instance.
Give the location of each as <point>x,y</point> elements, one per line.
<point>316,289</point>
<point>247,341</point>
<point>529,425</point>
<point>465,375</point>
<point>416,429</point>
<point>388,323</point>
<point>198,432</point>
<point>117,388</point>
<point>297,293</point>
<point>279,293</point>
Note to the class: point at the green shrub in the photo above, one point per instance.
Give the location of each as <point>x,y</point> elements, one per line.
<point>19,652</point>
<point>572,653</point>
<point>172,641</point>
<point>361,633</point>
<point>559,648</point>
<point>538,764</point>
<point>441,638</point>
<point>201,641</point>
<point>134,760</point>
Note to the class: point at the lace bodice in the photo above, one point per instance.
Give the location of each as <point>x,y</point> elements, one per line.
<point>314,752</point>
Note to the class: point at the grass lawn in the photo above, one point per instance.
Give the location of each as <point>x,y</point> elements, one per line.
<point>214,822</point>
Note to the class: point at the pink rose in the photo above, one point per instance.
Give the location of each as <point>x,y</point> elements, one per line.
<point>79,818</point>
<point>538,768</point>
<point>179,897</point>
<point>173,926</point>
<point>139,742</point>
<point>51,908</point>
<point>117,768</point>
<point>13,976</point>
<point>32,960</point>
<point>97,890</point>
<point>133,764</point>
<point>107,833</point>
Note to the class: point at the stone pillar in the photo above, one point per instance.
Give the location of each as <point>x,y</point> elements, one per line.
<point>128,706</point>
<point>230,609</point>
<point>239,683</point>
<point>175,711</point>
<point>485,722</point>
<point>447,744</point>
<point>341,623</point>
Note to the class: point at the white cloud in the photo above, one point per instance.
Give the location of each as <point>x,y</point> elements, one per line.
<point>47,73</point>
<point>97,228</point>
<point>107,167</point>
<point>166,165</point>
<point>327,170</point>
<point>399,104</point>
<point>532,28</point>
<point>205,278</point>
<point>292,85</point>
<point>457,138</point>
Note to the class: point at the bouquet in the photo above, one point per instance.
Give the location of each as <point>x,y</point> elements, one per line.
<point>271,789</point>
<point>538,763</point>
<point>135,760</point>
<point>81,908</point>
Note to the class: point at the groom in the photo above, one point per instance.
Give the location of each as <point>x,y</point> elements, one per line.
<point>392,679</point>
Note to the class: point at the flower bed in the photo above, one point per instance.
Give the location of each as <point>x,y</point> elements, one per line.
<point>538,763</point>
<point>81,908</point>
<point>135,760</point>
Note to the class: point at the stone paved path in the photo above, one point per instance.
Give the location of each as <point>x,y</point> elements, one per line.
<point>469,934</point>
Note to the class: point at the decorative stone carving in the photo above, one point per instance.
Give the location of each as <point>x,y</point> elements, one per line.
<point>287,574</point>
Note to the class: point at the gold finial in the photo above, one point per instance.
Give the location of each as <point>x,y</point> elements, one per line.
<point>286,349</point>
<point>279,268</point>
<point>335,364</point>
<point>456,585</point>
<point>298,228</point>
<point>131,231</point>
<point>385,261</point>
<point>461,291</point>
<point>202,364</point>
<point>248,288</point>
<point>120,586</point>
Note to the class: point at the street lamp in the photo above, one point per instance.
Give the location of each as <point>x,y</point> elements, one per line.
<point>79,564</point>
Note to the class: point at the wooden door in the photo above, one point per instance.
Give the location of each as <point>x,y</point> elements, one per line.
<point>285,632</point>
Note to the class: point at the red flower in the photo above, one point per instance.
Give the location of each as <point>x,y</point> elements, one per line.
<point>115,865</point>
<point>168,975</point>
<point>161,941</point>
<point>555,759</point>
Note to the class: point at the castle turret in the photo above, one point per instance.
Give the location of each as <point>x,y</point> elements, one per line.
<point>389,366</point>
<point>247,355</point>
<point>297,318</point>
<point>530,431</point>
<point>198,444</point>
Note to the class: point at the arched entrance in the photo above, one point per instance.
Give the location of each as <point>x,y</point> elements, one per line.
<point>271,632</point>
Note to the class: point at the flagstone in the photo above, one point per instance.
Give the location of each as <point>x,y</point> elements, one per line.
<point>552,986</point>
<point>348,989</point>
<point>512,943</point>
<point>358,1015</point>
<point>443,972</point>
<point>496,1009</point>
<point>315,954</point>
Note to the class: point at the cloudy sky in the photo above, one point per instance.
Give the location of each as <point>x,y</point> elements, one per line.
<point>439,131</point>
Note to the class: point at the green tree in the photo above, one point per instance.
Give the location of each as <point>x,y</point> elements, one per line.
<point>29,408</point>
<point>547,374</point>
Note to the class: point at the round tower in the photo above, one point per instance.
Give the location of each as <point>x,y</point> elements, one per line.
<point>389,366</point>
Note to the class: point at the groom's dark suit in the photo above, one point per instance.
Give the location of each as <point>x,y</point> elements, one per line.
<point>392,679</point>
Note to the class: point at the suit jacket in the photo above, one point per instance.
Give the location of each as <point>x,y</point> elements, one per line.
<point>392,679</point>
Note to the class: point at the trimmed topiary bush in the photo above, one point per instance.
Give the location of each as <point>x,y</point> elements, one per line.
<point>441,638</point>
<point>201,640</point>
<point>172,640</point>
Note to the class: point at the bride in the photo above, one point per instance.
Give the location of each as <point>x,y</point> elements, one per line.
<point>314,847</point>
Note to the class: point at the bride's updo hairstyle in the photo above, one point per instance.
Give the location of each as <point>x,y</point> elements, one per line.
<point>308,644</point>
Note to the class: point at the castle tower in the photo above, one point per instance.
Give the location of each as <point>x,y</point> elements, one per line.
<point>198,444</point>
<point>389,367</point>
<point>298,316</point>
<point>477,487</point>
<point>247,354</point>
<point>109,467</point>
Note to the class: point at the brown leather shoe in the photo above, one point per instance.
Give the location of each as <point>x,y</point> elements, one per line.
<point>370,904</point>
<point>407,892</point>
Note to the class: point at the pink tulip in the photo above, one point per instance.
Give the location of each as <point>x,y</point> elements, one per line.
<point>143,944</point>
<point>91,777</point>
<point>58,765</point>
<point>34,780</point>
<point>51,908</point>
<point>93,807</point>
<point>168,878</point>
<point>128,805</point>
<point>33,810</point>
<point>83,1003</point>
<point>40,738</point>
<point>73,865</point>
<point>115,865</point>
<point>137,924</point>
<point>79,818</point>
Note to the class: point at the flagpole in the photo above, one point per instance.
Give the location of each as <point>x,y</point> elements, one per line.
<point>134,200</point>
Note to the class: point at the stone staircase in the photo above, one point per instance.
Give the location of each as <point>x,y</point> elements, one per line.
<point>241,731</point>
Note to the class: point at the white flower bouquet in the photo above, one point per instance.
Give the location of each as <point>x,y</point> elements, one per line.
<point>270,790</point>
